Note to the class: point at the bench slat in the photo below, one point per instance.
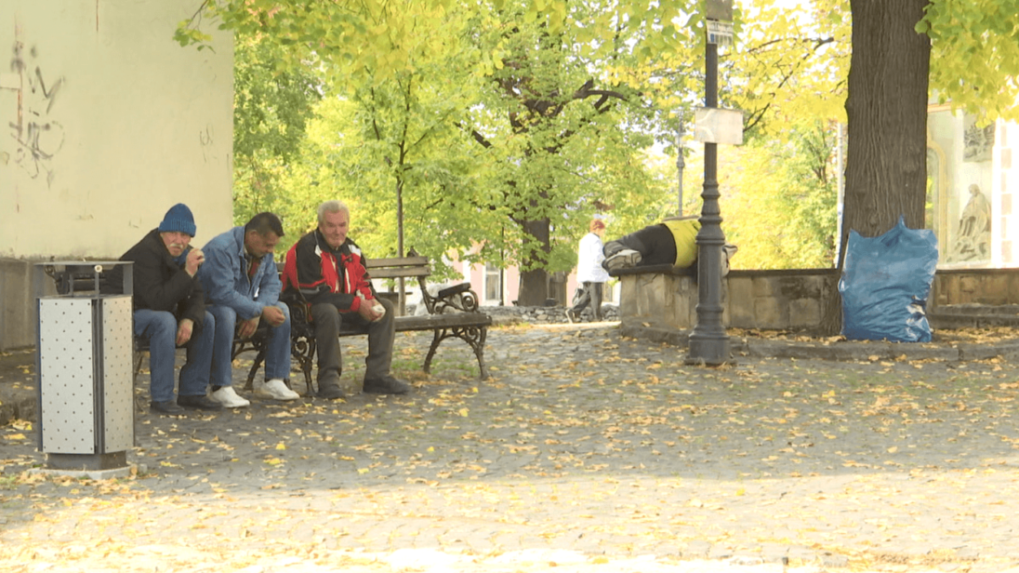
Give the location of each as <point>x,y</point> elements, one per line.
<point>433,321</point>
<point>429,322</point>
<point>389,273</point>
<point>398,262</point>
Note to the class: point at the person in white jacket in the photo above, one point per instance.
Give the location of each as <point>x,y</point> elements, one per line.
<point>590,273</point>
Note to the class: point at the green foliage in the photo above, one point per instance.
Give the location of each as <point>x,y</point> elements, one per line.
<point>975,54</point>
<point>271,109</point>
<point>780,200</point>
<point>487,118</point>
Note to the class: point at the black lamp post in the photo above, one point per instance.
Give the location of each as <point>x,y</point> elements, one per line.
<point>709,343</point>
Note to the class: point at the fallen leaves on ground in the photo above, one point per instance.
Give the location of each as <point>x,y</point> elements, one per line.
<point>576,432</point>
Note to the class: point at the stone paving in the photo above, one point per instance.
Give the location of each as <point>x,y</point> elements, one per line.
<point>586,451</point>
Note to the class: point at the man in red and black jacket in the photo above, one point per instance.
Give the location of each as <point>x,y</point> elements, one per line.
<point>329,271</point>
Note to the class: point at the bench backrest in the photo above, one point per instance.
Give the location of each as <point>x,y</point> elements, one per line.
<point>390,268</point>
<point>414,267</point>
<point>458,297</point>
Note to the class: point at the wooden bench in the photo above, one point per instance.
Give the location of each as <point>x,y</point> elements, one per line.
<point>452,312</point>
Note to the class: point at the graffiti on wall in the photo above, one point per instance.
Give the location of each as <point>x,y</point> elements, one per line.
<point>205,137</point>
<point>38,136</point>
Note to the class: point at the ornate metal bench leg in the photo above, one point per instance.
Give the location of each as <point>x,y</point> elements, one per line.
<point>304,351</point>
<point>250,384</point>
<point>479,351</point>
<point>475,337</point>
<point>139,355</point>
<point>437,336</point>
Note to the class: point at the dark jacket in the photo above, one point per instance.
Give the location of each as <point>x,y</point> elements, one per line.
<point>324,274</point>
<point>159,283</point>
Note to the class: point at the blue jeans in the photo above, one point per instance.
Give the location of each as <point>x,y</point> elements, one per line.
<point>160,329</point>
<point>277,356</point>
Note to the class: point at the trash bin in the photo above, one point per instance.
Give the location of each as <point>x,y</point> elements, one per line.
<point>85,389</point>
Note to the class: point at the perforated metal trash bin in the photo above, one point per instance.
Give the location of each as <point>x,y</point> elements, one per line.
<point>85,385</point>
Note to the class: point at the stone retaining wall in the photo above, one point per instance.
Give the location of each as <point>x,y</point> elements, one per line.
<point>976,286</point>
<point>785,299</point>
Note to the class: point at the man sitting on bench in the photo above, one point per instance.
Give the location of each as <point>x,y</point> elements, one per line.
<point>327,269</point>
<point>242,290</point>
<point>169,311</point>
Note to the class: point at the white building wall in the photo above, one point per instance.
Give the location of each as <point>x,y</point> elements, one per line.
<point>107,122</point>
<point>1006,179</point>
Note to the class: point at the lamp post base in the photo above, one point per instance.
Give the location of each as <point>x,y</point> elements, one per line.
<point>708,350</point>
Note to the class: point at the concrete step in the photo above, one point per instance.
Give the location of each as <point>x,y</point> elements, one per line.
<point>974,316</point>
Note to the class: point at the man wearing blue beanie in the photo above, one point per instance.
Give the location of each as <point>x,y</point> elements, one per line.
<point>169,311</point>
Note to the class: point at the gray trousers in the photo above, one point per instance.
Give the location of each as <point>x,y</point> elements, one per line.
<point>329,322</point>
<point>592,296</point>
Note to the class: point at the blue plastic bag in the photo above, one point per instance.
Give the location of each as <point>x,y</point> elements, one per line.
<point>885,284</point>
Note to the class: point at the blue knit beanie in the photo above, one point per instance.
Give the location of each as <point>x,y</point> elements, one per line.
<point>178,218</point>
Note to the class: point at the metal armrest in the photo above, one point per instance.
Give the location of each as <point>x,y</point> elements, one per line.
<point>450,291</point>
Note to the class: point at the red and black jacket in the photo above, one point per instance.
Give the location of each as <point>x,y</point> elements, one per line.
<point>323,274</point>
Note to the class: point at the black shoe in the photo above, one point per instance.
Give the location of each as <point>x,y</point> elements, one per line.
<point>198,403</point>
<point>167,407</point>
<point>386,385</point>
<point>330,388</point>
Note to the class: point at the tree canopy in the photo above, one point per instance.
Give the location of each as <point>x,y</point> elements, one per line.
<point>508,124</point>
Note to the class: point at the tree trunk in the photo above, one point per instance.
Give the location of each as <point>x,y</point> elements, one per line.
<point>534,282</point>
<point>886,166</point>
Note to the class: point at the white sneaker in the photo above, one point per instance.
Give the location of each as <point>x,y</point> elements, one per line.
<point>275,389</point>
<point>229,398</point>
<point>621,260</point>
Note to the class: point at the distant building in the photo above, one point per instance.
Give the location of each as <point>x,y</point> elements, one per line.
<point>973,193</point>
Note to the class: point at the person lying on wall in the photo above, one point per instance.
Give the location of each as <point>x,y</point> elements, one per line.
<point>671,242</point>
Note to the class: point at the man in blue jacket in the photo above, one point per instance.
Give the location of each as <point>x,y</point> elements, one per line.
<point>169,310</point>
<point>242,290</point>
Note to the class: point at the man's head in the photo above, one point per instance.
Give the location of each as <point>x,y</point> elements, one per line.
<point>597,226</point>
<point>333,222</point>
<point>261,234</point>
<point>177,229</point>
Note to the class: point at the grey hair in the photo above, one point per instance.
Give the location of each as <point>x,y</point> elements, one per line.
<point>332,207</point>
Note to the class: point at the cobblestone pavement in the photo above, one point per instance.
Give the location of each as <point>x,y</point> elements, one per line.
<point>586,451</point>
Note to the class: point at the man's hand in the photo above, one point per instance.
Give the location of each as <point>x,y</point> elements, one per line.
<point>195,259</point>
<point>273,315</point>
<point>184,330</point>
<point>367,310</point>
<point>248,327</point>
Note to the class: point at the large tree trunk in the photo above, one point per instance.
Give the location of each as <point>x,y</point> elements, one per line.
<point>886,166</point>
<point>534,283</point>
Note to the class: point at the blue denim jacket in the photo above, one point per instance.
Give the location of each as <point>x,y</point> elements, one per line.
<point>225,279</point>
